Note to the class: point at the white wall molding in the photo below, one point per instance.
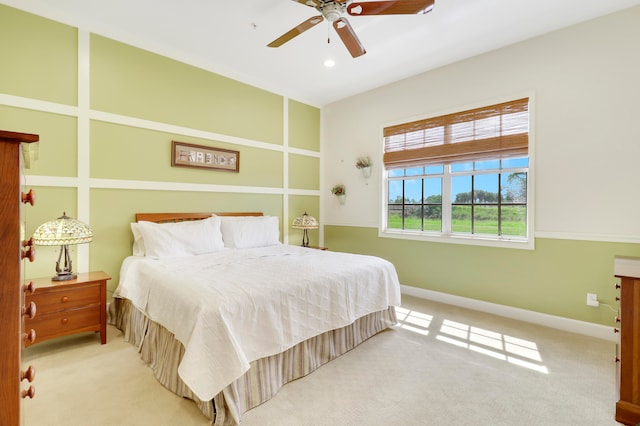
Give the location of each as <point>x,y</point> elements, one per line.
<point>84,110</point>
<point>124,120</point>
<point>180,186</point>
<point>285,169</point>
<point>631,239</point>
<point>72,182</point>
<point>574,326</point>
<point>38,105</point>
<point>625,239</point>
<point>83,143</point>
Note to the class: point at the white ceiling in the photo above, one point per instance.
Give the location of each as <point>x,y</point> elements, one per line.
<point>230,37</point>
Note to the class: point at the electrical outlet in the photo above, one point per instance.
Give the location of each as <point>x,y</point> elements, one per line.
<point>592,300</point>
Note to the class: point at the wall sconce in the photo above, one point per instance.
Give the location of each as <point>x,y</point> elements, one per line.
<point>339,191</point>
<point>62,232</point>
<point>305,222</point>
<point>364,164</point>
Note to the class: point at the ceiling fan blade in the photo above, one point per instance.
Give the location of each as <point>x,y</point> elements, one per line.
<point>310,3</point>
<point>400,7</point>
<point>349,37</point>
<point>309,23</point>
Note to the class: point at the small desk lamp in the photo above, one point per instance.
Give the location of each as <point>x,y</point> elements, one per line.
<point>305,222</point>
<point>62,232</point>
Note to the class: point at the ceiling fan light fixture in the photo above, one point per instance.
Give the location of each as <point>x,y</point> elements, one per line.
<point>332,11</point>
<point>329,63</point>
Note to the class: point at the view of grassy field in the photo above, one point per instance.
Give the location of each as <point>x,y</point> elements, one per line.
<point>482,226</point>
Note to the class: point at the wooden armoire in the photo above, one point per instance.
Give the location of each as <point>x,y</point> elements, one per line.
<point>14,380</point>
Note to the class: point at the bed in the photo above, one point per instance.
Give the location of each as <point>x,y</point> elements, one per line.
<point>226,315</point>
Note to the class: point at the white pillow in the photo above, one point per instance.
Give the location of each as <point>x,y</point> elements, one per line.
<point>250,231</point>
<point>138,242</point>
<point>181,239</point>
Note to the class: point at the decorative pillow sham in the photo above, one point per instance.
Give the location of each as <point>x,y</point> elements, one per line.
<point>138,242</point>
<point>250,231</point>
<point>181,239</point>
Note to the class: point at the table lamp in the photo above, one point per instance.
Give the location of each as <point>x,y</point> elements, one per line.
<point>305,222</point>
<point>62,232</point>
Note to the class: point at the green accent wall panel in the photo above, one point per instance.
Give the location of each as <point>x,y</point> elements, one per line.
<point>51,203</point>
<point>304,172</point>
<point>131,153</point>
<point>40,57</point>
<point>57,148</point>
<point>552,279</point>
<point>112,210</point>
<point>133,82</point>
<point>304,126</point>
<point>299,204</point>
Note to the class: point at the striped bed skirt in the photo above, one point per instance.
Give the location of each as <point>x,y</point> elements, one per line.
<point>163,352</point>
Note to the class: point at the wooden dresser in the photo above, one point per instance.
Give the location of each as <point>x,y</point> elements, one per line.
<point>68,307</point>
<point>12,288</point>
<point>628,407</point>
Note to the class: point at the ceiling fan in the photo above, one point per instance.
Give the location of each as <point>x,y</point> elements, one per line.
<point>332,11</point>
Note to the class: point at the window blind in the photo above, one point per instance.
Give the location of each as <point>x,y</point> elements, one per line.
<point>495,131</point>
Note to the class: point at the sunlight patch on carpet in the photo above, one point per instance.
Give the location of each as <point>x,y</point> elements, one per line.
<point>416,322</point>
<point>520,352</point>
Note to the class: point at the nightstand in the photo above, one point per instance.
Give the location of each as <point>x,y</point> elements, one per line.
<point>68,307</point>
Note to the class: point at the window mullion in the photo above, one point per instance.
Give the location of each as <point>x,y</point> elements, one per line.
<point>446,200</point>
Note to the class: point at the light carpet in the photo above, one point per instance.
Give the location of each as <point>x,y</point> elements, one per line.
<point>442,365</point>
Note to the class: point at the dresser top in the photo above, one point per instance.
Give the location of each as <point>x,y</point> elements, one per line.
<point>624,266</point>
<point>15,137</point>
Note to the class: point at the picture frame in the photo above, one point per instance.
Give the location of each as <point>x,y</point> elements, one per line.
<point>204,157</point>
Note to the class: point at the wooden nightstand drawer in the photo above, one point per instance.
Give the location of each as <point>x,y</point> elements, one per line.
<point>64,298</point>
<point>67,307</point>
<point>65,322</point>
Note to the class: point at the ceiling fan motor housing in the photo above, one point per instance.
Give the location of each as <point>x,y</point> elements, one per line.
<point>332,11</point>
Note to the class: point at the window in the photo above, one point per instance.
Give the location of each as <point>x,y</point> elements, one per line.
<point>463,176</point>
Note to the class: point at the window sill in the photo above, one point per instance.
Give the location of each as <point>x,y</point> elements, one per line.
<point>473,240</point>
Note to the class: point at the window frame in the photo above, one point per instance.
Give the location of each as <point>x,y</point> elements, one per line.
<point>487,240</point>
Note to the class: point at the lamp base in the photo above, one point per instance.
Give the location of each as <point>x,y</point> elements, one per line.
<point>64,274</point>
<point>305,238</point>
<point>64,277</point>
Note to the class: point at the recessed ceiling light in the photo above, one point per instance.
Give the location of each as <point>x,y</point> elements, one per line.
<point>329,63</point>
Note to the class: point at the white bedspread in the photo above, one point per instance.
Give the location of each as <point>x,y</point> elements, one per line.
<point>235,306</point>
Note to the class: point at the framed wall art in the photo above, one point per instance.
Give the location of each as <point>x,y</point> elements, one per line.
<point>205,157</point>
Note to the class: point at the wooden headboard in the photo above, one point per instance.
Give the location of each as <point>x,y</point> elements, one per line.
<point>181,217</point>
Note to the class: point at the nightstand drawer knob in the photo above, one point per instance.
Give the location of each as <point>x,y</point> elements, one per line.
<point>30,310</point>
<point>64,299</point>
<point>31,392</point>
<point>29,374</point>
<point>64,321</point>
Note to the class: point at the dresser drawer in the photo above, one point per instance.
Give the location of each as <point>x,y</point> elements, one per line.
<point>59,299</point>
<point>65,322</point>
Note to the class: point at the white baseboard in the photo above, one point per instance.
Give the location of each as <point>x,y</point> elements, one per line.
<point>574,326</point>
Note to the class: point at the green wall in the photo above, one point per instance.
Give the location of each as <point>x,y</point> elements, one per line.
<point>39,57</point>
<point>112,158</point>
<point>552,279</point>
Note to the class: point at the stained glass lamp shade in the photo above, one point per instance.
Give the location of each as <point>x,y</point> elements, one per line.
<point>305,222</point>
<point>62,232</point>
